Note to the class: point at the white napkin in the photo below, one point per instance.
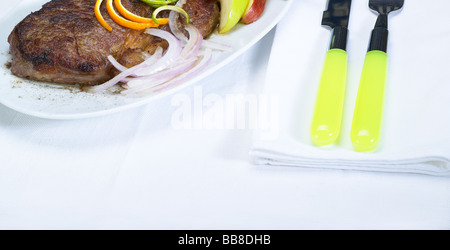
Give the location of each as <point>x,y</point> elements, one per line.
<point>416,126</point>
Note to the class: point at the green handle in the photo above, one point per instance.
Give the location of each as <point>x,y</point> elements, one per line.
<point>327,117</point>
<point>367,118</point>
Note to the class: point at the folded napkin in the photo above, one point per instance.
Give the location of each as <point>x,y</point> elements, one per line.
<point>416,125</point>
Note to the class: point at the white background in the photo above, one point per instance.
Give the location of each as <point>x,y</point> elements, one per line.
<point>133,170</point>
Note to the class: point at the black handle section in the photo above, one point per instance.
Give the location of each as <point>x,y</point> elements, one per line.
<point>380,34</point>
<point>339,39</point>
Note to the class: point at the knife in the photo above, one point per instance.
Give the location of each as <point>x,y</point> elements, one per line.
<point>326,124</point>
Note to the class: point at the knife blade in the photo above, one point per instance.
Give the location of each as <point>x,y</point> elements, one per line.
<point>327,118</point>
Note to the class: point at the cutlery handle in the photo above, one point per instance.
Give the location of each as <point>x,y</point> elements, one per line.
<point>327,118</point>
<point>367,118</point>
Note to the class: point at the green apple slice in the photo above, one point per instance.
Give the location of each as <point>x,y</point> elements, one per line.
<point>230,14</point>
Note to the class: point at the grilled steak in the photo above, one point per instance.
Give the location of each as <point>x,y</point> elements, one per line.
<point>64,43</point>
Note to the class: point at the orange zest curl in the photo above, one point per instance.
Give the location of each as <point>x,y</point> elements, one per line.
<point>99,16</point>
<point>124,22</point>
<point>132,17</point>
<point>126,18</point>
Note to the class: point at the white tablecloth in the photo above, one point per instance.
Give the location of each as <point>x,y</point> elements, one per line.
<point>135,170</point>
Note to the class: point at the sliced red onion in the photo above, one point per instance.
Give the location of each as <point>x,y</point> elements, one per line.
<point>124,74</point>
<point>167,73</point>
<point>200,65</point>
<point>170,56</point>
<point>116,64</point>
<point>194,43</point>
<point>156,55</point>
<point>216,46</point>
<point>127,79</point>
<point>173,23</point>
<point>164,70</point>
<point>143,84</point>
<point>164,77</point>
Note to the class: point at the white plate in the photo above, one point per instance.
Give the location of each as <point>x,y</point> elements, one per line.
<point>64,102</point>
